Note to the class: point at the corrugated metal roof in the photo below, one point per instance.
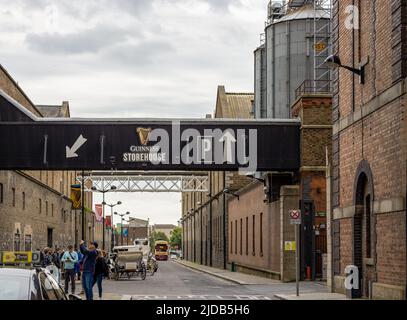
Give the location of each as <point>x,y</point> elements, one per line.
<point>55,111</point>
<point>234,105</point>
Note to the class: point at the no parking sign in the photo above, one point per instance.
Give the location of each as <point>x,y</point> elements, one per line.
<point>295,216</point>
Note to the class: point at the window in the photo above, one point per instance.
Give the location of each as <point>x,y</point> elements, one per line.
<point>13,191</point>
<point>39,206</point>
<point>46,208</point>
<point>231,237</point>
<point>261,234</point>
<point>247,236</point>
<point>17,241</point>
<point>254,235</point>
<point>1,193</point>
<point>368,228</point>
<point>27,242</point>
<point>236,237</point>
<point>23,200</point>
<point>52,209</point>
<point>241,236</point>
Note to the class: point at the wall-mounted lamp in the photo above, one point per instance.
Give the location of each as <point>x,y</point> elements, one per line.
<point>227,191</point>
<point>335,62</point>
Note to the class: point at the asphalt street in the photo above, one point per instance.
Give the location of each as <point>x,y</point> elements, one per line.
<point>176,282</point>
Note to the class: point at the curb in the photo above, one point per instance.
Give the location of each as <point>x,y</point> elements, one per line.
<point>212,273</point>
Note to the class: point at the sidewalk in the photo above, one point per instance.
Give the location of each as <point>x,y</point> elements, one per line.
<point>310,290</point>
<point>312,296</point>
<point>236,277</point>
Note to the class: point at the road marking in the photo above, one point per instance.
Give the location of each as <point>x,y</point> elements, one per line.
<point>199,297</point>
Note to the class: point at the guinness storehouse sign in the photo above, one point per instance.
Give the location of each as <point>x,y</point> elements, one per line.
<point>33,143</point>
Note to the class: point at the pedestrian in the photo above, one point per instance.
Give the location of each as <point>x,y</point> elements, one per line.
<point>57,264</point>
<point>48,262</point>
<point>101,271</point>
<point>69,258</point>
<point>89,260</point>
<point>78,264</point>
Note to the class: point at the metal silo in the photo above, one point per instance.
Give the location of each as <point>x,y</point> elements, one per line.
<point>291,42</point>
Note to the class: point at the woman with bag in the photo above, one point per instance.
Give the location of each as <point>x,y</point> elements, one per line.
<point>101,271</point>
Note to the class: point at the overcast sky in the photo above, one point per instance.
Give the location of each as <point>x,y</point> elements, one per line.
<point>132,58</point>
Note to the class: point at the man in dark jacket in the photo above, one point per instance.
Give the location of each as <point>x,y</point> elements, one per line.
<point>89,261</point>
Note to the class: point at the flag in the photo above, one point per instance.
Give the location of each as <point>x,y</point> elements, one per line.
<point>108,221</point>
<point>76,196</point>
<point>99,212</point>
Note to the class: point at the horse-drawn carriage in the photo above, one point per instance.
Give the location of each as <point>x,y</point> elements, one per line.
<point>128,264</point>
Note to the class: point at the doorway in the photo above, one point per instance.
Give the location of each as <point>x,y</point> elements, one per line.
<point>364,233</point>
<point>50,237</point>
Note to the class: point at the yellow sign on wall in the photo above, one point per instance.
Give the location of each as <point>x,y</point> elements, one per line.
<point>290,245</point>
<point>321,46</point>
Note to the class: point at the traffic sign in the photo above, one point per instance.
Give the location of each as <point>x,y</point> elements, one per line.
<point>295,217</point>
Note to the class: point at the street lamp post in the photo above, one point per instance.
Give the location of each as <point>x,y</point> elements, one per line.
<point>111,213</point>
<point>112,188</point>
<point>121,224</point>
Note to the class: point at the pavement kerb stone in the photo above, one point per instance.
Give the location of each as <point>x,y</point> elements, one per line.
<point>215,274</point>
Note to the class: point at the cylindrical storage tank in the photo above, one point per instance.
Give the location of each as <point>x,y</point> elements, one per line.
<point>290,57</point>
<point>260,106</point>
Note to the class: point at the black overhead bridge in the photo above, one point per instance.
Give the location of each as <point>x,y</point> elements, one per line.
<point>28,142</point>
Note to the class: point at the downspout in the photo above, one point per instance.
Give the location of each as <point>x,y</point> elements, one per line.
<point>224,223</point>
<point>210,219</point>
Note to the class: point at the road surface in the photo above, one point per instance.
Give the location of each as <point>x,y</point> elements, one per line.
<point>176,282</point>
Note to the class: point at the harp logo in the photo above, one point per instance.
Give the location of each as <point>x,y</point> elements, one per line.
<point>144,135</point>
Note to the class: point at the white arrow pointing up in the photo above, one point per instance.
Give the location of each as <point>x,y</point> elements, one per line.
<point>71,152</point>
<point>229,139</point>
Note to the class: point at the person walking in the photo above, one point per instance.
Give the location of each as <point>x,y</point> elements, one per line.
<point>89,260</point>
<point>101,271</point>
<point>48,262</point>
<point>57,265</point>
<point>69,258</point>
<point>78,264</point>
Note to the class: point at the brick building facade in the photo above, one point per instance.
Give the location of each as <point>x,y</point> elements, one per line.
<point>35,209</point>
<point>259,219</point>
<point>204,215</point>
<point>369,148</point>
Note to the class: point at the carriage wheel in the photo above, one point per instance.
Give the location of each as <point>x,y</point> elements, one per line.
<point>143,271</point>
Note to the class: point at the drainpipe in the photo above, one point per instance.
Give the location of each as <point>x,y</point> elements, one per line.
<point>224,223</point>
<point>210,219</point>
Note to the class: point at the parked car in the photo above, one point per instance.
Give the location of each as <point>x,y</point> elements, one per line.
<point>30,284</point>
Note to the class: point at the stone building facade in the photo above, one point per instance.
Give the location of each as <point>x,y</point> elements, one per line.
<point>35,209</point>
<point>204,215</point>
<point>369,148</point>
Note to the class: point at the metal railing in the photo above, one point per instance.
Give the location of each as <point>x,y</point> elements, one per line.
<point>312,86</point>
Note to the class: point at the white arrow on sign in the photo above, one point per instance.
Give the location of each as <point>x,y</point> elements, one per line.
<point>229,139</point>
<point>71,152</point>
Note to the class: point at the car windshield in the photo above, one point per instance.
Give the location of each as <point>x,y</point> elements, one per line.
<point>13,288</point>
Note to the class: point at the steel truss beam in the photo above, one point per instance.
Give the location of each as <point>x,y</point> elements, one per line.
<point>147,183</point>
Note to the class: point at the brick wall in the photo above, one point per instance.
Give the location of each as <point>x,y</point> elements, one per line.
<point>370,127</point>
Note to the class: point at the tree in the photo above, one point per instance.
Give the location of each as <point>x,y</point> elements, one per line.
<point>156,236</point>
<point>176,237</point>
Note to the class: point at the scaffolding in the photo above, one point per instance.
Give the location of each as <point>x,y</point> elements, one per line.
<point>322,43</point>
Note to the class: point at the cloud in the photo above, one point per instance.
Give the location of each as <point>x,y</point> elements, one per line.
<point>132,58</point>
<point>85,41</point>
